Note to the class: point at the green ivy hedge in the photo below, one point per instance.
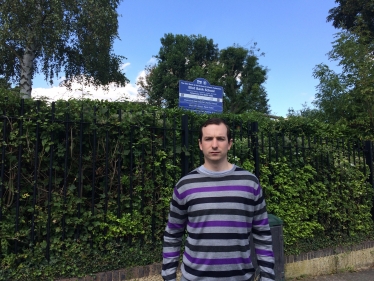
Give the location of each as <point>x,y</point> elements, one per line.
<point>102,183</point>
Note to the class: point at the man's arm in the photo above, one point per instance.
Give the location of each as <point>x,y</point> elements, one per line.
<point>262,238</point>
<point>173,237</point>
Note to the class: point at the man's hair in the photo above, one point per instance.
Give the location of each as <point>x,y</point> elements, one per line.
<point>215,121</point>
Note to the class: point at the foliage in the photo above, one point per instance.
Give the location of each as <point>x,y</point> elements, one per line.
<point>354,15</point>
<point>311,203</point>
<point>74,259</point>
<point>180,57</point>
<point>183,57</point>
<point>97,195</point>
<point>347,97</point>
<point>242,79</point>
<point>48,36</point>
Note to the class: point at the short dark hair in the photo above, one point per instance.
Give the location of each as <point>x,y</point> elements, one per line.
<point>215,121</point>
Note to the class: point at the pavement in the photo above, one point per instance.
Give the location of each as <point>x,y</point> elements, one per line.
<point>358,275</point>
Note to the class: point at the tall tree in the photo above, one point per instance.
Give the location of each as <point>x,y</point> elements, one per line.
<point>349,95</point>
<point>47,36</point>
<point>183,57</point>
<point>242,79</point>
<point>355,16</point>
<point>180,57</point>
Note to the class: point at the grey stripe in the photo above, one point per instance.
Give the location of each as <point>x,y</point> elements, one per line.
<point>213,180</point>
<point>233,212</point>
<point>220,249</point>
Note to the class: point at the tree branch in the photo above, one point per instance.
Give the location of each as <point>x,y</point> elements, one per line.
<point>13,51</point>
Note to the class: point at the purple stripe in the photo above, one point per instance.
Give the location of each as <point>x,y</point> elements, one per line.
<point>219,224</point>
<point>217,189</point>
<point>176,193</point>
<point>264,253</point>
<point>171,255</point>
<point>218,261</point>
<point>175,225</point>
<point>261,222</point>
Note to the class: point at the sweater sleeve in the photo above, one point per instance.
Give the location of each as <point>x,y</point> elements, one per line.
<point>173,235</point>
<point>262,238</point>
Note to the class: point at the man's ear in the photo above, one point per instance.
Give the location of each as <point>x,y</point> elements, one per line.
<point>231,141</point>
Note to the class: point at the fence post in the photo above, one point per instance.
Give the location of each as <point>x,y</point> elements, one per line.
<point>2,170</point>
<point>369,162</point>
<point>184,159</point>
<point>255,152</point>
<point>50,183</point>
<point>19,171</point>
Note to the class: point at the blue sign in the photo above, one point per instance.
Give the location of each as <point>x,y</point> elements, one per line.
<point>200,96</point>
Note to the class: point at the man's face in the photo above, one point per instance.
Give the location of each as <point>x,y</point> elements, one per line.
<point>214,144</point>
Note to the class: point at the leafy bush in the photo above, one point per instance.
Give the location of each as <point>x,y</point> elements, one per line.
<point>86,185</point>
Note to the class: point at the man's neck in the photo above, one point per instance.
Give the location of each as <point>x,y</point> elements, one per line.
<point>219,167</point>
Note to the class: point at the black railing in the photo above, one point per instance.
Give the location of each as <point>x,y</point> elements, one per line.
<point>110,163</point>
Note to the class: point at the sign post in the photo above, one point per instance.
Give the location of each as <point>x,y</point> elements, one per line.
<point>200,96</point>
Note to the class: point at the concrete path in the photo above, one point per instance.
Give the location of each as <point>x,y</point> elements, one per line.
<point>154,278</point>
<point>360,275</point>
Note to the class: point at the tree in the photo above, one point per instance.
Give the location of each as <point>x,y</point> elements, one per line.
<point>354,15</point>
<point>183,57</point>
<point>242,79</point>
<point>48,36</point>
<point>180,58</point>
<point>348,96</point>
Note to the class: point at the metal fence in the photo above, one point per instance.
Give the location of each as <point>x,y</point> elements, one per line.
<point>59,172</point>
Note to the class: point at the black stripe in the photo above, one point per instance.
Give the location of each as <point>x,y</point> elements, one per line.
<point>233,212</point>
<point>261,232</point>
<point>194,172</point>
<point>265,264</point>
<point>170,277</point>
<point>219,274</point>
<point>231,199</point>
<point>261,242</point>
<point>222,249</point>
<point>239,169</point>
<point>174,235</point>
<point>171,244</point>
<point>205,178</point>
<point>267,275</point>
<point>260,212</point>
<point>176,205</point>
<point>178,216</point>
<point>170,265</point>
<point>218,236</point>
<point>259,201</point>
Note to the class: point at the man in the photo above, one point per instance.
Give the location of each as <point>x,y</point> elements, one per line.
<point>220,204</point>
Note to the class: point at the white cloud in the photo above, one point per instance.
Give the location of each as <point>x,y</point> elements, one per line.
<point>152,61</point>
<point>141,74</point>
<point>113,93</point>
<point>309,97</point>
<point>123,66</point>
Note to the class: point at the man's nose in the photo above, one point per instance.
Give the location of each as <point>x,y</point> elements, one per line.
<point>214,143</point>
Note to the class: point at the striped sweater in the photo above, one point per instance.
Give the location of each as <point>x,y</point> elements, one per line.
<point>219,213</point>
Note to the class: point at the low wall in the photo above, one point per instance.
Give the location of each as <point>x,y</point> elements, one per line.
<point>315,263</point>
<point>329,261</point>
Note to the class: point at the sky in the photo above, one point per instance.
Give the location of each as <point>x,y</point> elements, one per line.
<point>293,34</point>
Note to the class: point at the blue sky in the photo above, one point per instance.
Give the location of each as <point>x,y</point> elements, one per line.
<point>294,36</point>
